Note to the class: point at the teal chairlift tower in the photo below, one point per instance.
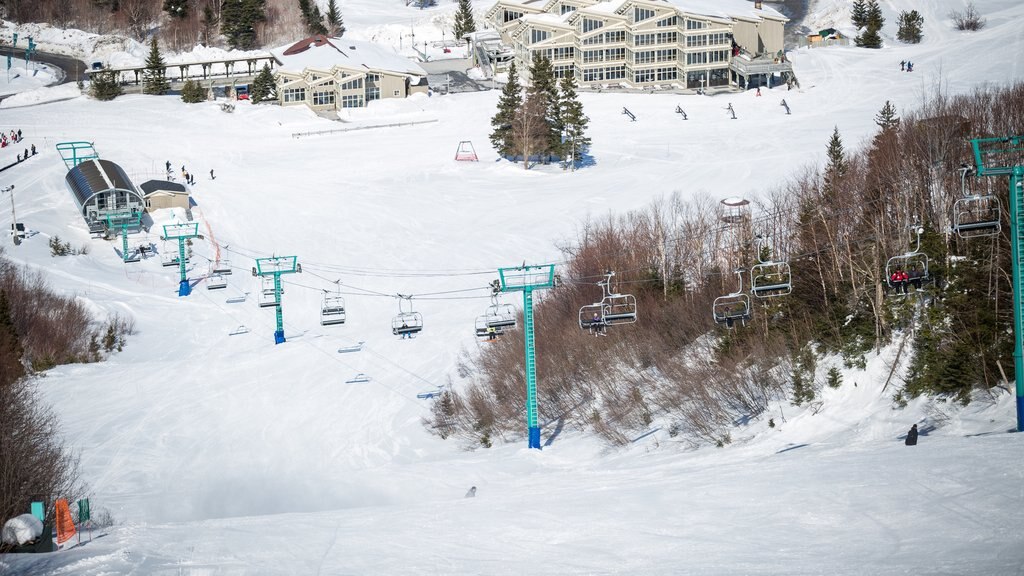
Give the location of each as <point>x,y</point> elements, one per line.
<point>124,219</point>
<point>526,279</point>
<point>275,267</point>
<point>182,233</point>
<point>1005,157</point>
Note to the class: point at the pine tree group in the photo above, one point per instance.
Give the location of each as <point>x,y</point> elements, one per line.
<point>546,123</point>
<point>238,20</point>
<point>154,79</point>
<point>869,17</point>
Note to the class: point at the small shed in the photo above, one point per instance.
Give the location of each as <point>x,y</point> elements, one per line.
<point>164,194</point>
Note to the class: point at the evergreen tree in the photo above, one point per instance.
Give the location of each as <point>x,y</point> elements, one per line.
<point>154,80</point>
<point>209,22</point>
<point>834,379</point>
<point>335,24</point>
<point>193,92</point>
<point>836,167</point>
<point>886,117</point>
<point>543,84</point>
<point>574,123</point>
<point>859,13</point>
<point>176,8</point>
<point>464,23</point>
<point>239,19</point>
<point>263,86</point>
<point>910,24</point>
<point>311,17</point>
<point>874,16</point>
<point>869,38</point>
<point>508,105</point>
<point>104,86</point>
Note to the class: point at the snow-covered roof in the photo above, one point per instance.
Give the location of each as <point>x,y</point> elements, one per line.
<point>322,53</point>
<point>546,19</point>
<point>606,7</point>
<point>729,9</point>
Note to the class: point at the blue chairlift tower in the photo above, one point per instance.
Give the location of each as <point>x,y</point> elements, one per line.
<point>275,267</point>
<point>124,219</point>
<point>526,279</point>
<point>1005,157</point>
<point>182,233</point>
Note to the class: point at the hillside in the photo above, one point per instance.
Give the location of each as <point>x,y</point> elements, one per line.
<point>225,454</point>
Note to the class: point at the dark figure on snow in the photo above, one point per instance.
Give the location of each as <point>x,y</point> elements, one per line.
<point>910,66</point>
<point>212,177</point>
<point>168,165</point>
<point>903,65</point>
<point>912,436</point>
<point>19,133</point>
<point>471,493</point>
<point>33,149</point>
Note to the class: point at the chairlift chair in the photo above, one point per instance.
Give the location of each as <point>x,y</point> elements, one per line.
<point>222,267</point>
<point>332,311</point>
<point>484,329</point>
<point>975,214</point>
<point>216,282</point>
<point>914,263</point>
<point>613,309</point>
<point>732,308</point>
<point>769,278</point>
<point>170,258</point>
<point>267,294</point>
<point>406,324</point>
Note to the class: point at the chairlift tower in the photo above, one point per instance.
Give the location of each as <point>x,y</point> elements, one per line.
<point>124,219</point>
<point>275,267</point>
<point>1005,157</point>
<point>182,233</point>
<point>526,279</point>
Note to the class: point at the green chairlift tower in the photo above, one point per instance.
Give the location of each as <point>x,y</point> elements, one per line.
<point>275,267</point>
<point>526,279</point>
<point>1005,157</point>
<point>182,233</point>
<point>124,219</point>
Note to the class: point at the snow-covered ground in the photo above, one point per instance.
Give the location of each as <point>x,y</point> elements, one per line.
<point>221,454</point>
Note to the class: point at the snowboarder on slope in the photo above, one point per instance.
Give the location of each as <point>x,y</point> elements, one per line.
<point>912,436</point>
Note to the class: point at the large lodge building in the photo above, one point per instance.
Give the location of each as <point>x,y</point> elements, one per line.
<point>647,44</point>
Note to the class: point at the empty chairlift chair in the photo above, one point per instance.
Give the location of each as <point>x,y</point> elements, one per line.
<point>222,267</point>
<point>769,278</point>
<point>733,308</point>
<point>267,295</point>
<point>976,214</point>
<point>216,282</point>
<point>333,310</point>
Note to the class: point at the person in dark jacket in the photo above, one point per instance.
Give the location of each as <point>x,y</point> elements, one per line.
<point>912,436</point>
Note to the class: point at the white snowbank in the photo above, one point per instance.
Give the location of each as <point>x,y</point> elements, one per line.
<point>22,529</point>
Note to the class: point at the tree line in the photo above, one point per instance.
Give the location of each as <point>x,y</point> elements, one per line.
<point>837,226</point>
<point>543,122</point>
<point>241,24</point>
<point>40,329</point>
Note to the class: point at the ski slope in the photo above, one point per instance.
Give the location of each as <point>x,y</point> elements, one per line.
<point>225,454</point>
